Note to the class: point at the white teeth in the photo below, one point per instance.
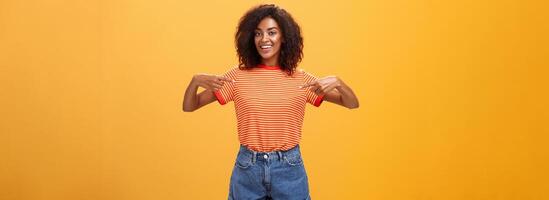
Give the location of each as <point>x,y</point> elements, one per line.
<point>265,47</point>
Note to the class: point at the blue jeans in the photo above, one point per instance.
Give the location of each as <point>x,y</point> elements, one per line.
<point>277,175</point>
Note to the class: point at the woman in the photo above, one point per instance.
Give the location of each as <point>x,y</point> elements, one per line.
<point>269,95</point>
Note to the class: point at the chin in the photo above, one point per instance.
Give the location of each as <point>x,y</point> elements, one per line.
<point>266,57</point>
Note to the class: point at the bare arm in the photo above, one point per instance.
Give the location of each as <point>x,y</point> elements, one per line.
<point>192,101</point>
<point>342,95</point>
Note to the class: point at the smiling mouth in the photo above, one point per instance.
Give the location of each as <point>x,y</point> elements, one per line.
<point>265,46</point>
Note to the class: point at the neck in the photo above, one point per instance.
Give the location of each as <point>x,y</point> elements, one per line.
<point>273,61</point>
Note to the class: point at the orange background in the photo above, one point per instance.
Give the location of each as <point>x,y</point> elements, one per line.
<point>453,99</point>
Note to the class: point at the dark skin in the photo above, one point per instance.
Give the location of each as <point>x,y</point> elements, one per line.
<point>268,40</point>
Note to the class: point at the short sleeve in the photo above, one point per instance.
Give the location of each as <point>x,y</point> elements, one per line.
<point>312,97</point>
<point>226,93</point>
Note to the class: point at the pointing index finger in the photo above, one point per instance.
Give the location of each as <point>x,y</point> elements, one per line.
<point>307,84</point>
<point>226,79</point>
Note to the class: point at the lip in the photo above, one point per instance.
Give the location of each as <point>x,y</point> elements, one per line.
<point>265,48</point>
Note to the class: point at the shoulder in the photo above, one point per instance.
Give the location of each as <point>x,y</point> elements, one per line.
<point>300,71</point>
<point>234,70</point>
<point>303,73</point>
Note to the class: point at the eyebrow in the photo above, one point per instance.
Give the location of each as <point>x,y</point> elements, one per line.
<point>271,28</point>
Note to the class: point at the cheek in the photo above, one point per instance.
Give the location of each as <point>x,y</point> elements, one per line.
<point>278,41</point>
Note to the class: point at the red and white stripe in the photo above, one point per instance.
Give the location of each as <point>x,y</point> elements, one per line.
<point>269,106</point>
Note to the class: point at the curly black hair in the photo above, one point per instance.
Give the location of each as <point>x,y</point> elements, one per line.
<point>291,50</point>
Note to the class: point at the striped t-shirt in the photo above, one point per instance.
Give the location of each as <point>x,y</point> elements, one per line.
<point>269,105</point>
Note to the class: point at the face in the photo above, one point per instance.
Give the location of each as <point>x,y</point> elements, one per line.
<point>268,38</point>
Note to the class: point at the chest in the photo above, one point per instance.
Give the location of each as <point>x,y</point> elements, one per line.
<point>270,93</point>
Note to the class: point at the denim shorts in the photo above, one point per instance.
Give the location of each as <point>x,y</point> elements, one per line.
<point>277,175</point>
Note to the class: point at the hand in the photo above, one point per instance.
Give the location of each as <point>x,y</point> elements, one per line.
<point>323,85</point>
<point>210,82</point>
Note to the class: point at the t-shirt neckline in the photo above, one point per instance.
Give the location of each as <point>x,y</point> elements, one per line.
<point>276,67</point>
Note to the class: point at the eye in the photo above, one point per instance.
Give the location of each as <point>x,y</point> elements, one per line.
<point>272,33</point>
<point>257,34</point>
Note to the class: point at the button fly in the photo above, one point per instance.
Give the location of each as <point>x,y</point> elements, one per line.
<point>265,156</point>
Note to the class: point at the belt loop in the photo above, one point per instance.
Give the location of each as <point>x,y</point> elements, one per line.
<point>279,155</point>
<point>254,155</point>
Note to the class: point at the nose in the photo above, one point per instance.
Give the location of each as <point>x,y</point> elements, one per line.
<point>264,38</point>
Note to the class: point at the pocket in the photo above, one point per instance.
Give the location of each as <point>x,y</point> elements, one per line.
<point>243,161</point>
<point>294,159</point>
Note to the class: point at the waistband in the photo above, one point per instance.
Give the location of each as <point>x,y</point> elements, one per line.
<point>265,155</point>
